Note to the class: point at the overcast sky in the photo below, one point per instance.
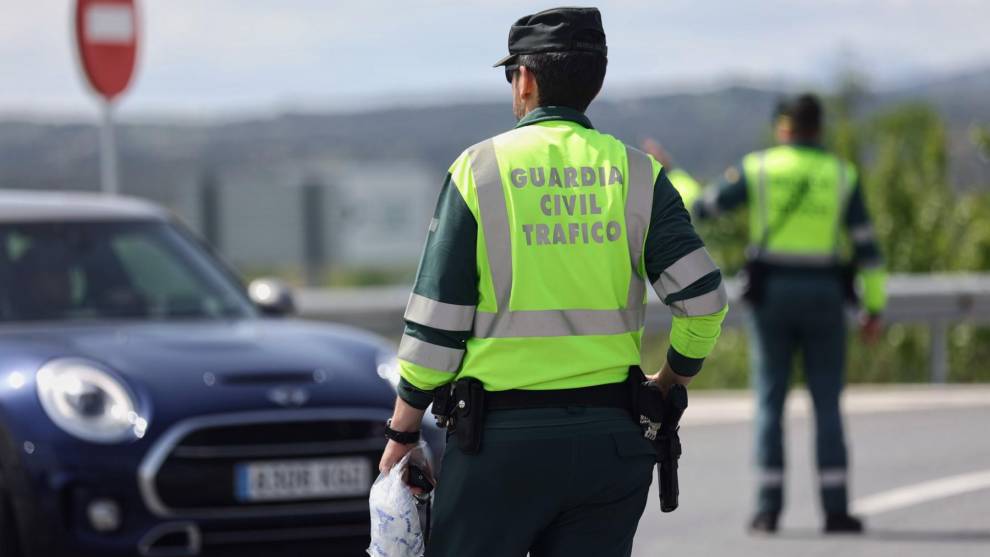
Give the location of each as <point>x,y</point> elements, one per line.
<point>228,57</point>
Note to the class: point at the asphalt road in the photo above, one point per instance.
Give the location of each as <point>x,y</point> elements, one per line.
<point>920,476</point>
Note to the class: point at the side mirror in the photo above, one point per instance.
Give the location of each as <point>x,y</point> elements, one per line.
<point>272,296</point>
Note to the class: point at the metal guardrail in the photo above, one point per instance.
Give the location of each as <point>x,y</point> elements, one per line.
<point>935,300</point>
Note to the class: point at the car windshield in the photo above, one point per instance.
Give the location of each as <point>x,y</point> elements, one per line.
<point>111,270</point>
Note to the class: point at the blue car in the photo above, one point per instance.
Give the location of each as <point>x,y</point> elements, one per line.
<point>150,405</point>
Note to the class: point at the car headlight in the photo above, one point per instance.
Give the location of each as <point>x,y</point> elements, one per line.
<point>388,369</point>
<point>88,402</point>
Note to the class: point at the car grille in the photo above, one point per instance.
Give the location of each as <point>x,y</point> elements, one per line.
<point>194,474</point>
<point>345,539</point>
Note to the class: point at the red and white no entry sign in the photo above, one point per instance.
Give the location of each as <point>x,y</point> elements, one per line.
<point>107,35</point>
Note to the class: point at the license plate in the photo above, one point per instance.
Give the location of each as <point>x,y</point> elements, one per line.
<point>286,480</point>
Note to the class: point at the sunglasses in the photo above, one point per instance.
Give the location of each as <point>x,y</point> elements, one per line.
<point>510,71</point>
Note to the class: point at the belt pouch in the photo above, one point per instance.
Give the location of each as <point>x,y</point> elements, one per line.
<point>469,409</point>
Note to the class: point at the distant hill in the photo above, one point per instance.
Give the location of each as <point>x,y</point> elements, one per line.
<point>705,131</point>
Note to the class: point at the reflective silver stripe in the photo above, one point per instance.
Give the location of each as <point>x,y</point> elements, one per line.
<point>761,187</point>
<point>862,234</point>
<point>799,259</point>
<point>439,315</point>
<point>639,202</point>
<point>771,478</point>
<point>832,477</point>
<point>684,272</point>
<point>639,210</point>
<point>557,323</point>
<point>637,296</point>
<point>434,223</point>
<point>494,218</point>
<point>870,264</point>
<point>842,201</point>
<point>706,304</point>
<point>425,354</point>
<point>710,201</point>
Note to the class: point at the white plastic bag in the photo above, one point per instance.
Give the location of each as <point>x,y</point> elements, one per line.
<point>395,522</point>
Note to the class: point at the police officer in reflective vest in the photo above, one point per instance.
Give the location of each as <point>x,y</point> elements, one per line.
<point>533,285</point>
<point>683,182</point>
<point>801,199</point>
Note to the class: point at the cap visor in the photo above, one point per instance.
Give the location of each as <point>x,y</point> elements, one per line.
<point>507,60</point>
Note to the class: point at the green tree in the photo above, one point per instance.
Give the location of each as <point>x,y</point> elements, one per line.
<point>981,138</point>
<point>924,226</point>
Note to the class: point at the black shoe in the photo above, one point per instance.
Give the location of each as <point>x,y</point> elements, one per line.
<point>764,523</point>
<point>843,523</point>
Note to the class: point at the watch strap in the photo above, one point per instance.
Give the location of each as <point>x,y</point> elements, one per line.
<point>403,437</point>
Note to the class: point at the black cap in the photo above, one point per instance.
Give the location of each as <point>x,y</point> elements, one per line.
<point>557,30</point>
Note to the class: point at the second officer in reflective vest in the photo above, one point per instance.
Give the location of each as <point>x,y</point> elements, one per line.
<point>683,182</point>
<point>533,284</point>
<point>801,201</point>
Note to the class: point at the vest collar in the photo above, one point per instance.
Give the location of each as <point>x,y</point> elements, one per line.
<point>807,143</point>
<point>555,113</point>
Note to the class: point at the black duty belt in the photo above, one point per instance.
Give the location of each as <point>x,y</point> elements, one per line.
<point>461,406</point>
<point>613,395</point>
<point>804,270</point>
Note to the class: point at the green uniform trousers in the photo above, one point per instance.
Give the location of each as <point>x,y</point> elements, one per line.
<point>801,313</point>
<point>554,482</point>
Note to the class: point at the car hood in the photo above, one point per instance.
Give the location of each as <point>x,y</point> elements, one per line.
<point>185,368</point>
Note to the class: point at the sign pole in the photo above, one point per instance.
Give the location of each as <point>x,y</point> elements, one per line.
<point>107,40</point>
<point>108,150</point>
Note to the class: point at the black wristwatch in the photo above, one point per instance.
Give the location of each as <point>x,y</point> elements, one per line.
<point>404,437</point>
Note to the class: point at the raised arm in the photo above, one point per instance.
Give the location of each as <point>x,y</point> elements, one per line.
<point>728,193</point>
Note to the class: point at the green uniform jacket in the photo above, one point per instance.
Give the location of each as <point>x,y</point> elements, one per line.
<point>453,288</point>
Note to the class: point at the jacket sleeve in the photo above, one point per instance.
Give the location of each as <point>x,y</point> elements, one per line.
<point>728,193</point>
<point>440,313</point>
<point>685,278</point>
<point>866,252</point>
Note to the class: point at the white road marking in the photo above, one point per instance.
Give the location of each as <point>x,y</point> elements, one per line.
<point>920,493</point>
<point>713,408</point>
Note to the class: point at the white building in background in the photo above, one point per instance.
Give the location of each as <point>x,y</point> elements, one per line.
<point>372,214</point>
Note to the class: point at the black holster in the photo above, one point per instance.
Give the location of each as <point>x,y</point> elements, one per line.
<point>756,274</point>
<point>460,407</point>
<point>754,281</point>
<point>659,417</point>
<point>847,274</point>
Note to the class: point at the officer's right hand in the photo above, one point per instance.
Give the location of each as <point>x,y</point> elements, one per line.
<point>666,378</point>
<point>394,451</point>
<point>871,328</point>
